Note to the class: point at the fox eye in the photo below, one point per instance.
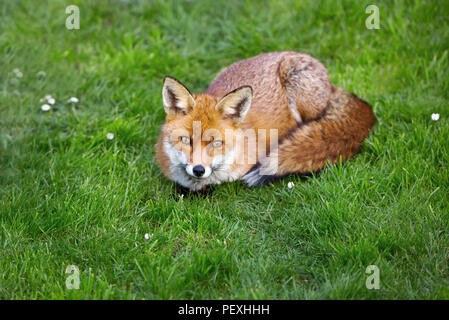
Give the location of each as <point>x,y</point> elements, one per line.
<point>185,140</point>
<point>217,144</point>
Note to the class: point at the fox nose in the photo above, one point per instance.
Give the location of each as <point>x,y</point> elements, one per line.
<point>198,170</point>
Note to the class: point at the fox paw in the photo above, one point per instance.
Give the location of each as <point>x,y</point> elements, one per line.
<point>259,176</point>
<point>254,178</point>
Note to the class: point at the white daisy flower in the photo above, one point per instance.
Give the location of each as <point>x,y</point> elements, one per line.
<point>147,236</point>
<point>73,100</point>
<point>48,96</point>
<point>45,107</point>
<point>19,74</point>
<point>110,136</point>
<point>290,185</point>
<point>51,101</point>
<point>435,116</point>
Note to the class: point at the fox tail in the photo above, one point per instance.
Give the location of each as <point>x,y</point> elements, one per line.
<point>336,134</point>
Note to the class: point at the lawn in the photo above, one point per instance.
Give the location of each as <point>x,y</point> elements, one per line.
<point>70,196</point>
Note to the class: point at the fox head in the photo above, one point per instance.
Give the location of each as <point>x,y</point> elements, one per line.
<point>199,134</point>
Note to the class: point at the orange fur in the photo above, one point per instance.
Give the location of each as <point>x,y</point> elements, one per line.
<point>291,92</point>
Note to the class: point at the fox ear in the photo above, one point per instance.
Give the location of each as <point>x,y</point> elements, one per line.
<point>176,98</point>
<point>235,105</point>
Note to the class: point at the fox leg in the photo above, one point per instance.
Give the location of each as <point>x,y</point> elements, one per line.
<point>335,135</point>
<point>306,85</point>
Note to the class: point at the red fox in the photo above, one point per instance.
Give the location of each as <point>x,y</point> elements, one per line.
<point>222,134</point>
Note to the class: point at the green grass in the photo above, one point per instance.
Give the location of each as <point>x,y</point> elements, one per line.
<point>69,196</point>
